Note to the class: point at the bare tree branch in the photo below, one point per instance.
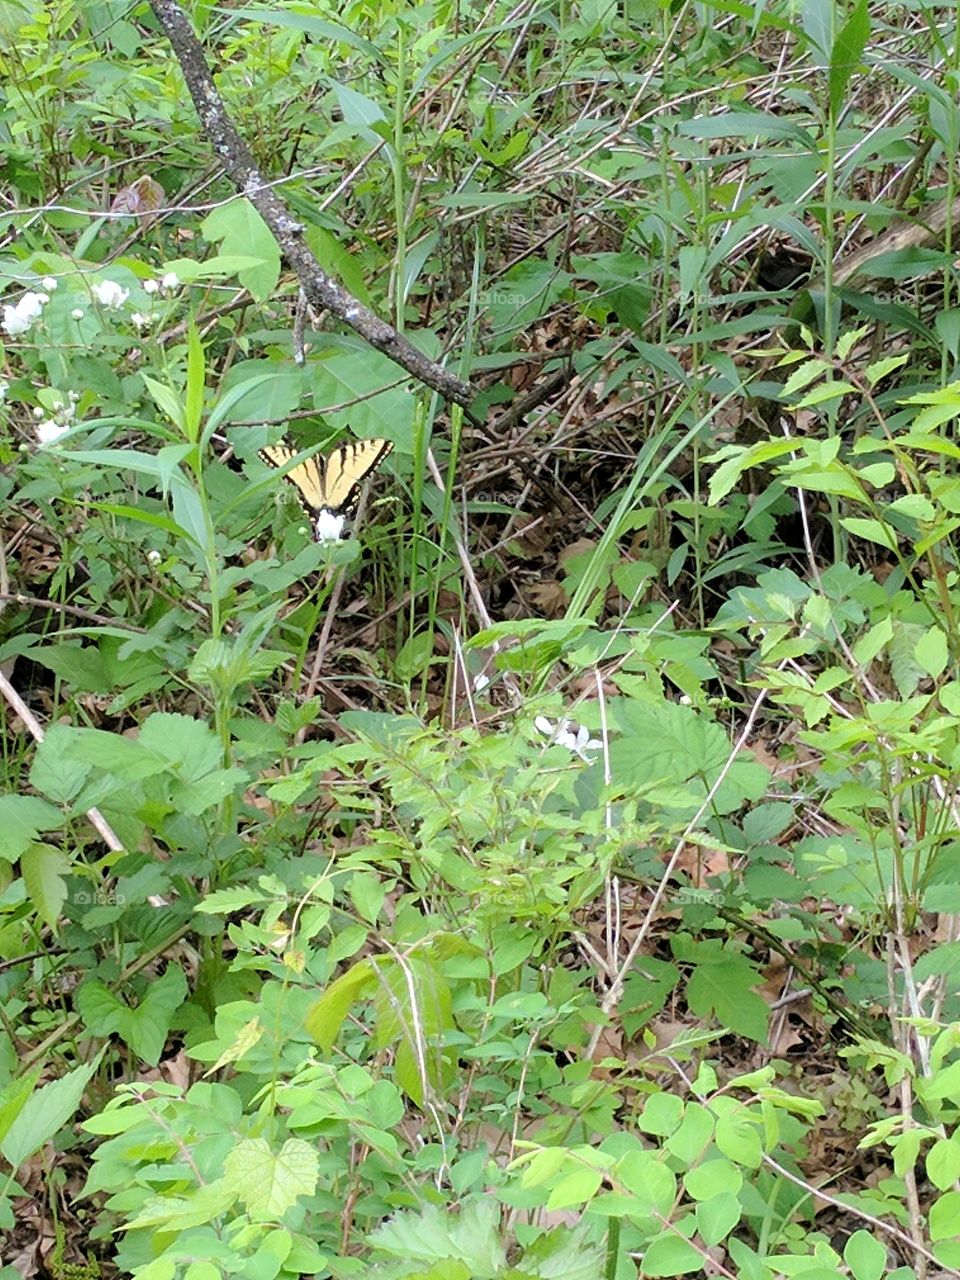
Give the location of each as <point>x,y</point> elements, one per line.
<point>322,292</point>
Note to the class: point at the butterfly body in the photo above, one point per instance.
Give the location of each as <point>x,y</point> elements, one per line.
<point>329,488</point>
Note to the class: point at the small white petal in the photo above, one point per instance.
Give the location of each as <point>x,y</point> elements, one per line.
<point>329,526</point>
<point>151,286</point>
<point>49,283</point>
<point>4,388</point>
<point>170,282</point>
<point>14,323</point>
<point>48,432</point>
<point>543,725</point>
<point>154,557</point>
<point>76,313</point>
<point>38,413</point>
<point>110,294</point>
<point>480,683</point>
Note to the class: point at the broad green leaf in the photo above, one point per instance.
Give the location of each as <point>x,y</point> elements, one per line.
<point>662,1114</point>
<point>268,1182</point>
<point>871,530</point>
<point>45,1113</point>
<point>13,1098</point>
<point>22,818</point>
<point>179,1213</point>
<point>145,1028</point>
<point>721,987</point>
<point>865,1255</point>
<point>738,1137</point>
<point>945,1216</point>
<point>434,1234</point>
<point>43,869</point>
<point>239,229</point>
<point>943,1162</point>
<point>694,1135</point>
<point>574,1188</point>
<point>670,1255</point>
<point>326,1016</point>
<point>717,1217</point>
<point>651,1184</point>
<point>711,1178</point>
<point>931,652</point>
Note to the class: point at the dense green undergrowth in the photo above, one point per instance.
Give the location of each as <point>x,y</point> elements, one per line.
<point>433,903</point>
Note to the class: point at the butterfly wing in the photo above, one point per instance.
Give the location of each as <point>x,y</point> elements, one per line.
<point>346,469</point>
<point>306,477</point>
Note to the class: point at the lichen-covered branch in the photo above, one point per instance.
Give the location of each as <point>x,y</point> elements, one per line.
<point>322,292</point>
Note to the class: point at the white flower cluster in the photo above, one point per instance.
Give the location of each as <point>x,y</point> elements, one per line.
<point>49,430</point>
<point>168,283</point>
<point>565,733</point>
<point>24,313</point>
<point>110,294</point>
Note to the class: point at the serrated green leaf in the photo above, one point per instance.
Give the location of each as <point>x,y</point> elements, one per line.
<point>270,1182</point>
<point>45,1112</point>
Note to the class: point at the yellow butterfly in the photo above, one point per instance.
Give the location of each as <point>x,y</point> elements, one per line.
<point>329,488</point>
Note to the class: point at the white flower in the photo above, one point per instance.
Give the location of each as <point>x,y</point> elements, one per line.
<point>480,682</point>
<point>76,313</point>
<point>151,286</point>
<point>575,738</point>
<point>50,431</point>
<point>140,320</point>
<point>170,282</point>
<point>4,388</point>
<point>49,283</point>
<point>73,396</point>
<point>329,527</point>
<point>153,558</point>
<point>18,318</point>
<point>110,294</point>
<point>38,413</point>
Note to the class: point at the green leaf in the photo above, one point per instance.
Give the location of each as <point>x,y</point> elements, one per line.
<point>711,1178</point>
<point>694,1135</point>
<point>931,652</point>
<point>738,1138</point>
<point>576,1187</point>
<point>717,1217</point>
<point>44,870</point>
<point>865,1256</point>
<point>846,54</point>
<point>945,1216</point>
<point>196,376</point>
<point>166,400</point>
<point>670,1255</point>
<point>22,818</point>
<point>145,1029</point>
<point>326,1015</point>
<point>943,1162</point>
<point>662,1114</point>
<point>13,1098</point>
<point>240,229</point>
<point>871,530</point>
<point>651,1184</point>
<point>180,1212</point>
<point>269,1183</point>
<point>45,1112</point>
<point>720,987</point>
<point>434,1234</point>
